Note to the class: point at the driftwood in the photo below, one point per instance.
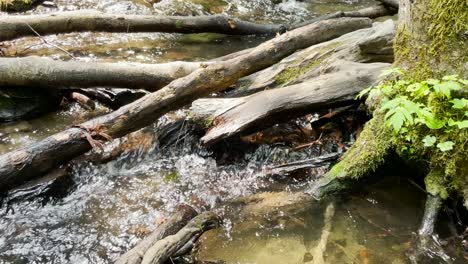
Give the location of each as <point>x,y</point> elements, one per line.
<point>164,249</point>
<point>180,219</point>
<point>43,72</point>
<point>12,27</point>
<point>231,116</point>
<point>33,160</point>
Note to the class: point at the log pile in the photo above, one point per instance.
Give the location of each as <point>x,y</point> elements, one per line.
<point>316,65</point>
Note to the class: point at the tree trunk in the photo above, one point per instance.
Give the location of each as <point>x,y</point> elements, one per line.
<point>39,72</point>
<point>431,38</point>
<point>36,159</point>
<point>429,44</point>
<point>12,27</point>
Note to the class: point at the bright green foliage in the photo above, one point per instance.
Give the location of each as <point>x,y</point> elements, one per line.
<point>429,120</point>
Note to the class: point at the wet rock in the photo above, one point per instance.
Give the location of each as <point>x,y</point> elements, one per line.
<point>23,103</point>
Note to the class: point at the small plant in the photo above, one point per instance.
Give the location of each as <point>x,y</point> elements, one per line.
<point>428,120</point>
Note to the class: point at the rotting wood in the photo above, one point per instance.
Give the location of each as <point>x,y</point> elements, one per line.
<point>36,159</point>
<point>173,225</point>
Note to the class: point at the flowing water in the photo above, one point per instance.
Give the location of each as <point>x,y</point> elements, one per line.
<point>101,211</point>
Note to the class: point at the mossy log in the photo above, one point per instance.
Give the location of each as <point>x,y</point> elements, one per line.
<point>36,159</point>
<point>373,44</point>
<point>39,72</point>
<point>232,116</point>
<point>162,250</point>
<point>170,227</point>
<point>12,27</point>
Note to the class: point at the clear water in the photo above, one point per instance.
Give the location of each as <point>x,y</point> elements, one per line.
<point>106,209</point>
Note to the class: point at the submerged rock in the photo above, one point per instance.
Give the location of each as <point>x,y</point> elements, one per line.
<point>23,103</point>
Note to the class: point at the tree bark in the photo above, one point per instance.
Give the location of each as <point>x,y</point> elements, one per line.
<point>45,73</point>
<point>273,106</point>
<point>12,27</point>
<point>173,225</point>
<point>160,252</point>
<point>36,159</point>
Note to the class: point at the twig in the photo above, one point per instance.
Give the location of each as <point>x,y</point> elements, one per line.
<point>50,44</point>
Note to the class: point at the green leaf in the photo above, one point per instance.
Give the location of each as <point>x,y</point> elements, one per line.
<point>432,81</point>
<point>396,121</point>
<point>459,103</point>
<point>364,92</point>
<point>429,141</point>
<point>462,124</point>
<point>390,71</point>
<point>446,146</point>
<point>450,77</point>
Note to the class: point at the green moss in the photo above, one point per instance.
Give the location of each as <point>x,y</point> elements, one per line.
<point>179,24</point>
<point>434,44</point>
<point>435,184</point>
<point>292,73</point>
<point>201,38</point>
<point>367,153</point>
<point>171,177</point>
<point>214,6</point>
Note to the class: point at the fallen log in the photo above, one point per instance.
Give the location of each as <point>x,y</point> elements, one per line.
<point>12,27</point>
<point>231,116</point>
<point>173,225</point>
<point>164,249</point>
<point>45,73</point>
<point>92,20</point>
<point>38,158</point>
<point>366,45</point>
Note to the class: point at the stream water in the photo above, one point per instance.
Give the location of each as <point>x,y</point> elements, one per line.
<point>103,210</point>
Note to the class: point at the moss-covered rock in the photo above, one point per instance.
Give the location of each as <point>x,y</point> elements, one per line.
<point>367,154</point>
